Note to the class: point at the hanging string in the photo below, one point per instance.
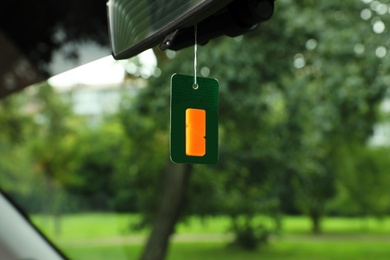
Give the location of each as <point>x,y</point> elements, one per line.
<point>195,86</point>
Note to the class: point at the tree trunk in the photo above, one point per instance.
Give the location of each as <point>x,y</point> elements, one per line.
<point>57,211</point>
<point>176,180</point>
<point>316,222</point>
<point>54,204</point>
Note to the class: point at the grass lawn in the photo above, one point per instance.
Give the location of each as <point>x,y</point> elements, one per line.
<point>107,236</point>
<point>282,249</point>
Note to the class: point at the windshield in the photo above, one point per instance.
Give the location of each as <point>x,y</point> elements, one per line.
<point>303,139</point>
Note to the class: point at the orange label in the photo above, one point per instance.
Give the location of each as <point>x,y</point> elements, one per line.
<point>195,132</point>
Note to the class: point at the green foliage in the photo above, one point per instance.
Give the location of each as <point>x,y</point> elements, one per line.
<point>100,159</point>
<point>148,158</point>
<point>52,149</point>
<point>292,95</point>
<point>331,91</point>
<point>362,182</point>
<point>249,236</point>
<point>15,164</point>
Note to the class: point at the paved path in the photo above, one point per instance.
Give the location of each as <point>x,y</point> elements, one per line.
<point>190,238</point>
<point>140,239</point>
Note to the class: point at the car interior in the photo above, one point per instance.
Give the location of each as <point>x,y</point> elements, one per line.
<point>134,26</point>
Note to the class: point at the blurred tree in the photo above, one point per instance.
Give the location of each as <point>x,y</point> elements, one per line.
<point>363,181</point>
<point>238,110</point>
<point>53,148</point>
<point>100,159</point>
<point>291,95</point>
<point>332,98</point>
<point>15,163</point>
<point>250,115</point>
<point>160,184</point>
<point>30,33</point>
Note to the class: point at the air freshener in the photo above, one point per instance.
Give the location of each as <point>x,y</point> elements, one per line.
<point>194,120</point>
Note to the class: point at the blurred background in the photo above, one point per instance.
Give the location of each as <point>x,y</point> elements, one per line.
<point>304,124</point>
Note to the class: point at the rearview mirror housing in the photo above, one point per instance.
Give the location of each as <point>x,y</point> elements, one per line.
<point>137,25</point>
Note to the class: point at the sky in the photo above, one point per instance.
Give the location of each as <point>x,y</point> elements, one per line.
<point>95,66</point>
<point>102,71</point>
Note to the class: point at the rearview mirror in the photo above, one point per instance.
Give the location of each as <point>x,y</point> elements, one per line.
<point>137,25</point>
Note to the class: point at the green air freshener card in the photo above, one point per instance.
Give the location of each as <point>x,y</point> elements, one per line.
<point>194,120</point>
